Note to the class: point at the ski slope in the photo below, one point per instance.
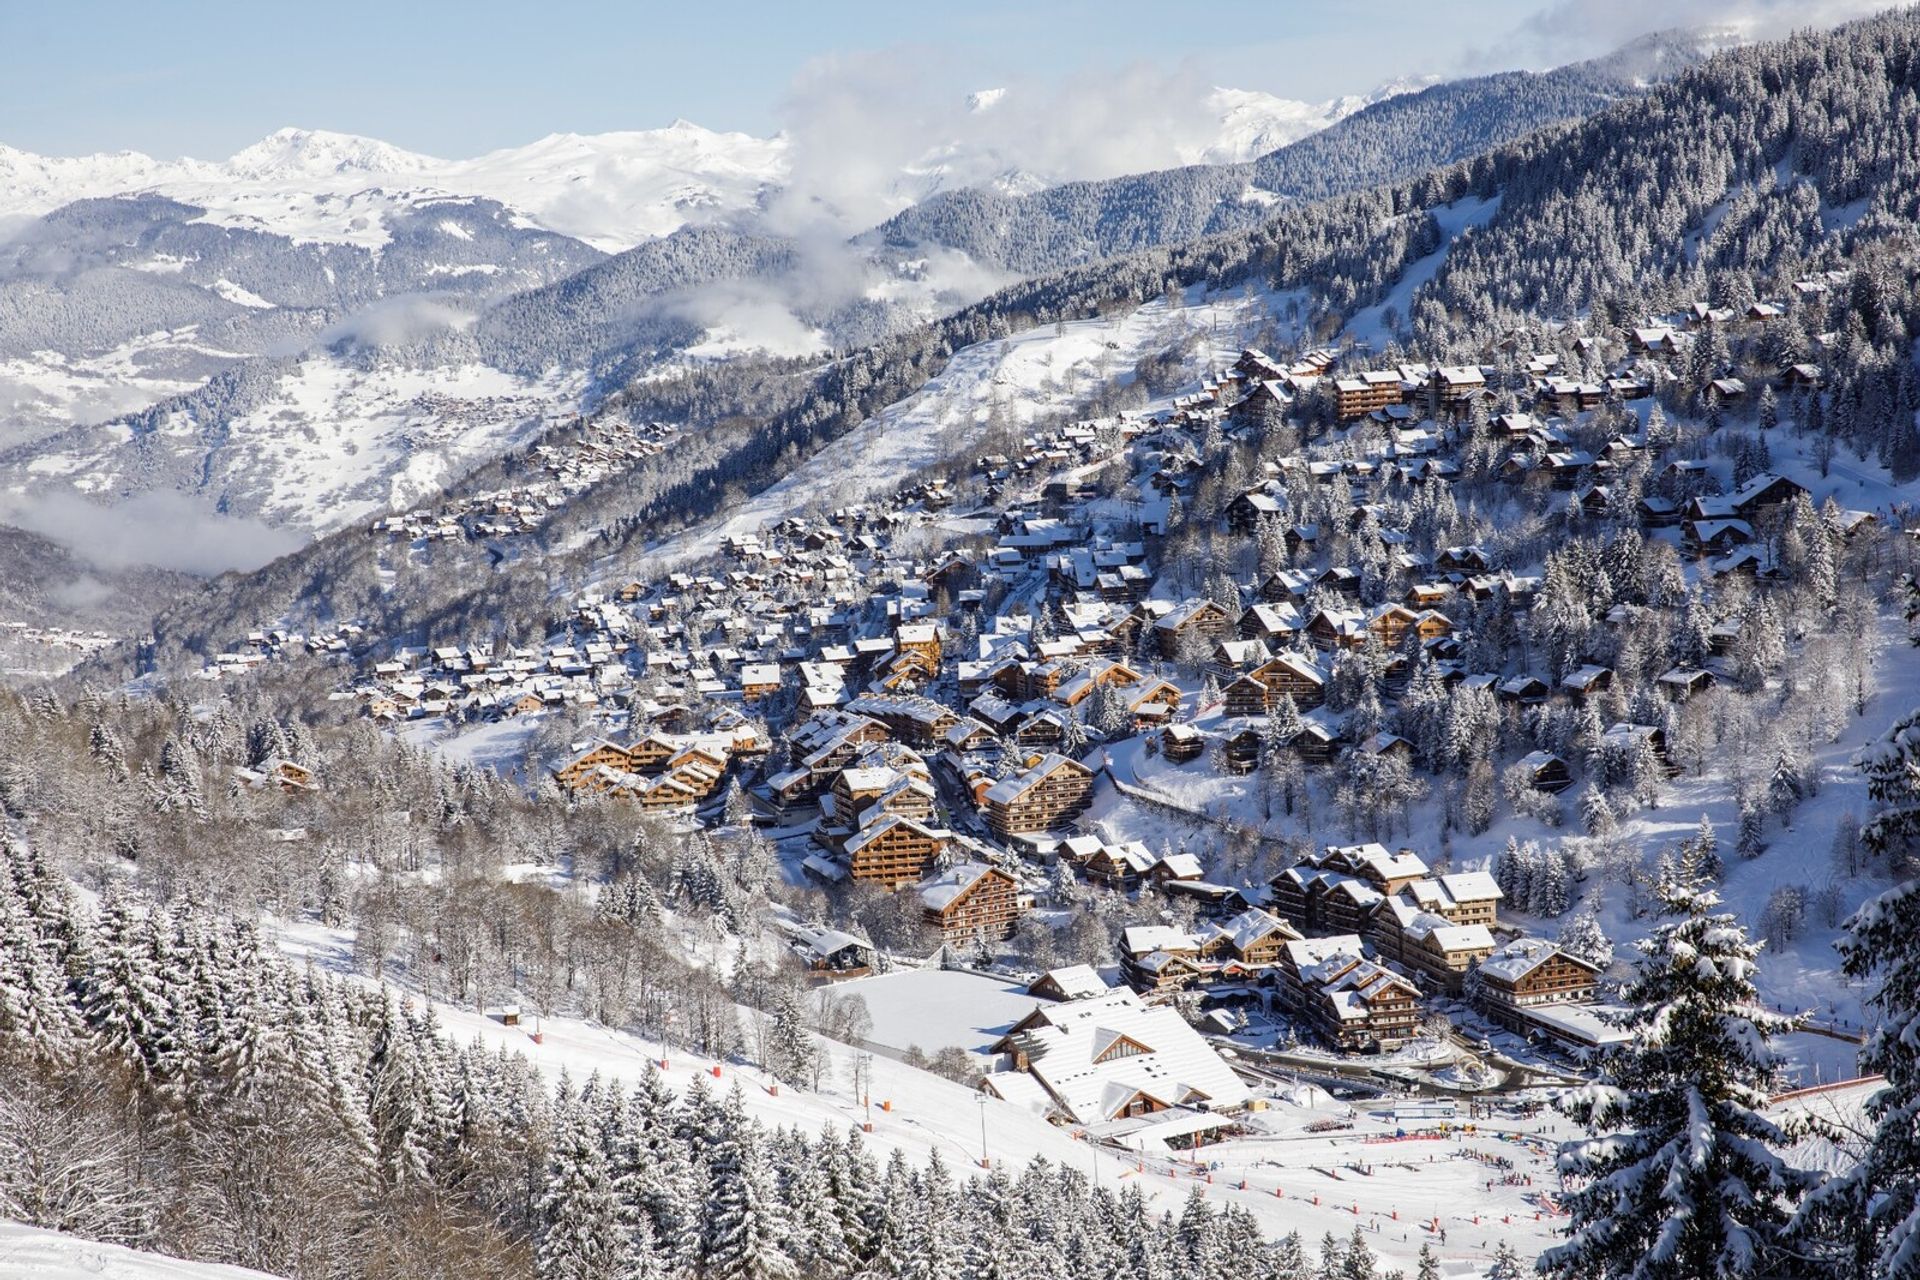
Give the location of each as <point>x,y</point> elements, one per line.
<point>1017,381</point>
<point>29,1253</point>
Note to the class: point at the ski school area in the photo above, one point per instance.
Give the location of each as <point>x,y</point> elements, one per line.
<point>1392,1169</point>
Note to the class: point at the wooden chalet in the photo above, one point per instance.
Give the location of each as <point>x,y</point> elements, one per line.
<point>1528,973</point>
<point>1048,793</point>
<point>971,901</point>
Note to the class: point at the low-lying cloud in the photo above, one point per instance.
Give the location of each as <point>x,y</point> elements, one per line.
<point>871,133</point>
<point>401,321</point>
<point>162,529</point>
<point>1569,30</point>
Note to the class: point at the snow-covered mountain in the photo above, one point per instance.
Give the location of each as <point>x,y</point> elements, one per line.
<point>1254,123</point>
<point>611,190</point>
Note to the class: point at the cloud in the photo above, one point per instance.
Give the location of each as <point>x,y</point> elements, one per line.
<point>871,133</point>
<point>1570,30</point>
<point>164,529</point>
<point>400,321</point>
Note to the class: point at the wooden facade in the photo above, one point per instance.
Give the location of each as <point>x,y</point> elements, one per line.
<point>971,901</point>
<point>1048,794</point>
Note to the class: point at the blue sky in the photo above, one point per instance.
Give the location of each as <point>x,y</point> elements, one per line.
<point>206,77</point>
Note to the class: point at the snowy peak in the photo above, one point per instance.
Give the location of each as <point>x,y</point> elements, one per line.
<point>1253,123</point>
<point>290,153</point>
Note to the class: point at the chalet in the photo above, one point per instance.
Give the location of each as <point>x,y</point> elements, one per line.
<point>1332,629</point>
<point>1587,680</point>
<point>1119,866</point>
<point>1048,793</point>
<point>1240,749</point>
<point>1365,393</point>
<point>1245,512</point>
<point>1455,387</point>
<point>600,754</point>
<point>1272,623</point>
<point>759,679</point>
<point>1180,743</point>
<point>971,901</point>
<point>1158,958</point>
<point>278,773</point>
<point>831,954</point>
<point>894,850</point>
<point>1683,684</point>
<point>1434,948</point>
<point>1202,618</point>
<point>1528,973</point>
<point>922,640</point>
<point>1074,982</point>
<point>1523,689</point>
<point>1546,772</point>
<point>1715,537</point>
<point>1260,690</point>
<point>1389,746</point>
<point>1152,701</point>
<point>909,717</point>
<point>1113,1064</point>
<point>1252,940</point>
<point>1358,1005</point>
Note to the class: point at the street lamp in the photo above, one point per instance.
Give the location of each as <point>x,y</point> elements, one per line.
<point>981,1098</point>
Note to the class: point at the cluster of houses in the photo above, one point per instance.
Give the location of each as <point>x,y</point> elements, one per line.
<point>593,451</point>
<point>927,710</point>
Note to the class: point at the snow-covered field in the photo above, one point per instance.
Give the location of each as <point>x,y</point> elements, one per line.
<point>936,1008</point>
<point>28,1253</point>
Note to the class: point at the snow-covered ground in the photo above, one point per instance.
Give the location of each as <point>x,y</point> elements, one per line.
<point>1369,325</point>
<point>1014,381</point>
<point>936,1008</point>
<point>1295,1179</point>
<point>335,443</point>
<point>48,391</point>
<point>28,1253</point>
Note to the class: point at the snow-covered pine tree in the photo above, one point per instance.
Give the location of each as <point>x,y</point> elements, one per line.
<point>1892,769</point>
<point>1866,1220</point>
<point>1596,815</point>
<point>1506,1264</point>
<point>582,1232</point>
<point>1751,842</point>
<point>745,1228</point>
<point>1683,1177</point>
<point>1582,937</point>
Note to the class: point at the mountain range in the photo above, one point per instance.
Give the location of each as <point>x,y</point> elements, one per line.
<point>610,190</point>
<point>323,327</point>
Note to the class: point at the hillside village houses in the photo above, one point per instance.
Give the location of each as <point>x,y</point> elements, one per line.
<point>914,698</point>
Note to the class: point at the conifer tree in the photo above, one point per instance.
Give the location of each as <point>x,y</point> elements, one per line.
<point>1683,1178</point>
<point>745,1229</point>
<point>1866,1220</point>
<point>582,1232</point>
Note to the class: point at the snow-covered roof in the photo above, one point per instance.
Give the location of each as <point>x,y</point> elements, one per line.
<point>939,893</point>
<point>1077,981</point>
<point>1095,1056</point>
